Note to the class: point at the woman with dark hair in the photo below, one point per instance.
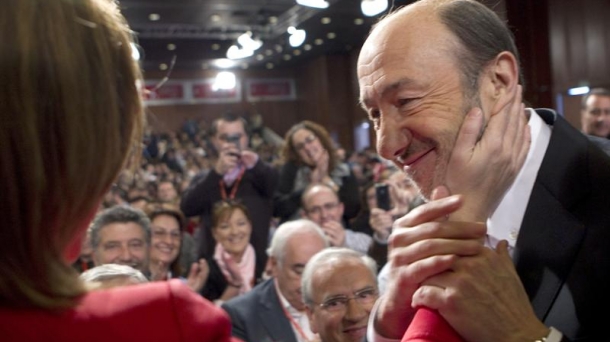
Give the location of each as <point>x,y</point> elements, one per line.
<point>232,266</point>
<point>310,157</point>
<point>167,229</point>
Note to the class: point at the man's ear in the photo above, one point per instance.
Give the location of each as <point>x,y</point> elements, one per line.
<point>273,266</point>
<point>312,323</point>
<point>500,81</point>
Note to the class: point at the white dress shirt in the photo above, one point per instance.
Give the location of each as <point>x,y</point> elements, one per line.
<point>298,317</point>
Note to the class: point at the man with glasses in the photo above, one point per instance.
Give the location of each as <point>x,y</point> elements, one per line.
<point>339,289</point>
<point>320,203</point>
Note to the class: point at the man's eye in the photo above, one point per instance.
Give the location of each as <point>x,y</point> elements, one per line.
<point>374,114</point>
<point>333,303</point>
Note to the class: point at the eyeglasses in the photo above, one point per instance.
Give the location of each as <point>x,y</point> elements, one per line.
<point>161,234</point>
<point>311,138</point>
<point>363,297</point>
<point>316,210</point>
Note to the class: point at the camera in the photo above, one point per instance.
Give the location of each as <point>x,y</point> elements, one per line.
<point>235,140</point>
<point>382,194</point>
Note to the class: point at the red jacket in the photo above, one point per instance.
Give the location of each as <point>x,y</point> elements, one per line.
<point>159,311</point>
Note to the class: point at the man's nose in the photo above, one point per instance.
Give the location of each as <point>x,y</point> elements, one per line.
<point>392,138</point>
<point>125,254</point>
<point>355,312</point>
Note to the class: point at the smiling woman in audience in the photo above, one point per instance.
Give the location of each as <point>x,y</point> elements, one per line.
<point>310,157</point>
<point>232,268</point>
<point>167,227</point>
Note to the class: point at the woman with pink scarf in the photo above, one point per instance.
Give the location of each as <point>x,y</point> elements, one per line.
<point>232,265</point>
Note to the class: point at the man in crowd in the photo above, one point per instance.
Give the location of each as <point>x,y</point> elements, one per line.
<point>440,81</point>
<point>320,203</point>
<point>121,235</point>
<point>339,290</point>
<point>595,113</point>
<point>238,174</point>
<point>274,310</point>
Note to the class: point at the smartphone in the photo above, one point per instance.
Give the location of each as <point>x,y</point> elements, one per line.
<point>382,194</point>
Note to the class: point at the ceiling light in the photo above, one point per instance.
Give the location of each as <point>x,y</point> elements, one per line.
<point>325,20</point>
<point>268,52</point>
<point>331,35</point>
<point>246,41</point>
<point>154,17</point>
<point>313,3</point>
<point>306,47</point>
<point>297,37</point>
<point>287,57</point>
<point>224,80</point>
<point>296,52</point>
<point>272,20</point>
<point>215,46</point>
<point>162,66</point>
<point>260,57</point>
<point>224,63</point>
<point>235,52</point>
<point>318,41</point>
<point>358,21</point>
<point>371,8</point>
<point>578,91</point>
<point>171,47</point>
<point>269,65</point>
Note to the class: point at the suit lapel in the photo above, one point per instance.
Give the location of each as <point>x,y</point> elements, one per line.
<point>273,318</point>
<point>550,234</point>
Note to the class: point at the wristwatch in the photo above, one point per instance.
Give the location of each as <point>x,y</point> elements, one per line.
<point>553,336</point>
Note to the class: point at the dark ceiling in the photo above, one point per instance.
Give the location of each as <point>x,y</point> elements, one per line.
<point>197,32</point>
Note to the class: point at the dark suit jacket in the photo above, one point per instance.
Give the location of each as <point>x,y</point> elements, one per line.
<point>258,316</point>
<point>562,254</point>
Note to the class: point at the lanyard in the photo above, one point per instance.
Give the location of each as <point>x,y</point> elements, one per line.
<point>289,316</point>
<point>223,191</point>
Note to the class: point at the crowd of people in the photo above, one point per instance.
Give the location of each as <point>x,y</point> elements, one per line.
<point>493,226</point>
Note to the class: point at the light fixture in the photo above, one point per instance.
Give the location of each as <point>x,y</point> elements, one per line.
<point>235,52</point>
<point>371,8</point>
<point>246,41</point>
<point>297,37</point>
<point>578,91</point>
<point>313,3</point>
<point>225,80</point>
<point>224,63</point>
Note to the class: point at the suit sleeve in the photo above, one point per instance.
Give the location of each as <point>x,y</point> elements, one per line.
<point>349,194</point>
<point>286,202</point>
<point>264,178</point>
<point>238,328</point>
<point>194,200</point>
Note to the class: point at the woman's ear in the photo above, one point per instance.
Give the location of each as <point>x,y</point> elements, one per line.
<point>500,81</point>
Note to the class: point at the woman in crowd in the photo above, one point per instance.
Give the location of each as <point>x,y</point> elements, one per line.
<point>167,227</point>
<point>71,115</point>
<point>232,267</point>
<point>309,157</point>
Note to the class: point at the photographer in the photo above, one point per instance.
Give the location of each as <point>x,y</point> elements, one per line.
<point>238,174</point>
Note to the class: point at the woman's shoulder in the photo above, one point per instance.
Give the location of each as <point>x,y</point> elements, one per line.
<point>158,311</point>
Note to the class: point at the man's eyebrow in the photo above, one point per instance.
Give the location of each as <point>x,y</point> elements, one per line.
<point>364,103</point>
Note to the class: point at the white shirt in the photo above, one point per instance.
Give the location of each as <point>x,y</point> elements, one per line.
<point>298,317</point>
<point>505,221</point>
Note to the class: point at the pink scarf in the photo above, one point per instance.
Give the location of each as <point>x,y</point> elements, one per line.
<point>246,266</point>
